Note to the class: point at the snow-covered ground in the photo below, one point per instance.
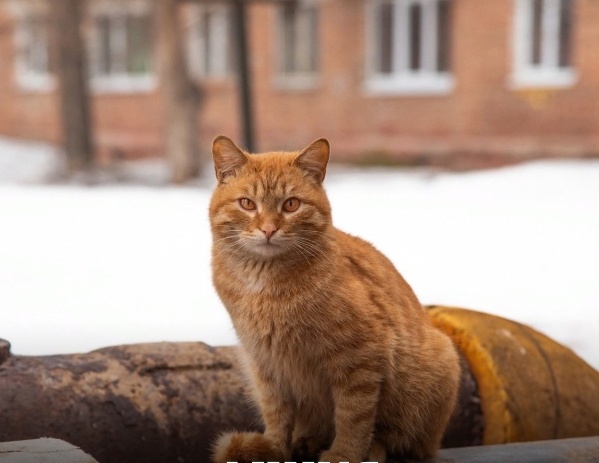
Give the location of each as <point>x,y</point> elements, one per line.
<point>86,267</point>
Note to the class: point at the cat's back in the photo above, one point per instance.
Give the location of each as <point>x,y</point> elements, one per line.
<point>365,265</point>
<point>363,255</point>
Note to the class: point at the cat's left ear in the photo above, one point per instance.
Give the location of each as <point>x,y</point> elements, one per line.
<point>228,158</point>
<point>313,159</point>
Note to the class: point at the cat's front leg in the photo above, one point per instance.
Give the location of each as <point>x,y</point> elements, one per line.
<point>356,401</point>
<point>277,412</point>
<point>272,445</point>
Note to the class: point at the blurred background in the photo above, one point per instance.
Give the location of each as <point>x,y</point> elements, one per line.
<point>108,110</point>
<point>457,83</point>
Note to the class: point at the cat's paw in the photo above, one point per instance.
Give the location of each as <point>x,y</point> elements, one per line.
<point>307,447</point>
<point>245,447</point>
<point>334,457</point>
<point>377,452</point>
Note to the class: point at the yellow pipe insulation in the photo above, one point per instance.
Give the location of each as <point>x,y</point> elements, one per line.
<point>531,388</point>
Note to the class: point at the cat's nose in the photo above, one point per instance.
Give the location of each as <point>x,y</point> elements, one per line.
<point>268,229</point>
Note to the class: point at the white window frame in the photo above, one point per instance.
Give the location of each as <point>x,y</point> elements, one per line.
<point>120,81</point>
<point>402,80</point>
<point>297,80</point>
<point>218,50</point>
<point>548,72</point>
<point>27,79</point>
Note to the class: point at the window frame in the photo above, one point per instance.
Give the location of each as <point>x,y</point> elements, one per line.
<point>402,80</point>
<point>297,80</point>
<point>219,50</point>
<point>121,81</point>
<point>548,73</point>
<point>26,78</point>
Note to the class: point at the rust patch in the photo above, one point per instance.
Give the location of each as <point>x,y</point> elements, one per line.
<point>466,425</point>
<point>4,350</point>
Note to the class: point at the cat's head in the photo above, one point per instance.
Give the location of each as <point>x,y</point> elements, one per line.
<point>270,204</point>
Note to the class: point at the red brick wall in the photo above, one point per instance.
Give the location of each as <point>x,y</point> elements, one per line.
<point>128,124</point>
<point>22,114</point>
<point>482,116</point>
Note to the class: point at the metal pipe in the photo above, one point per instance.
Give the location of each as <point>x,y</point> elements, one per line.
<point>167,402</point>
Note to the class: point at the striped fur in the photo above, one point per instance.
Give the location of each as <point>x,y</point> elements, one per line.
<point>343,361</point>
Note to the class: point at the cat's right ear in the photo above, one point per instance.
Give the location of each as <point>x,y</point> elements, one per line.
<point>228,158</point>
<point>313,159</point>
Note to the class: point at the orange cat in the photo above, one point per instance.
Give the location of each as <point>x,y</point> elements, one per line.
<point>344,363</point>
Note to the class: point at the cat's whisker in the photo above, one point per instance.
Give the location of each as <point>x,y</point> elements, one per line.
<point>232,246</point>
<point>226,239</point>
<point>314,250</point>
<point>317,250</point>
<point>311,231</point>
<point>303,252</point>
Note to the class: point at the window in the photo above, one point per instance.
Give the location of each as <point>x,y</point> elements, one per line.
<point>121,47</point>
<point>33,60</point>
<point>543,35</point>
<point>209,41</point>
<point>408,49</point>
<point>298,42</point>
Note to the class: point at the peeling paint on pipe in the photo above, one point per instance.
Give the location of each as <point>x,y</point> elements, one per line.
<point>148,402</point>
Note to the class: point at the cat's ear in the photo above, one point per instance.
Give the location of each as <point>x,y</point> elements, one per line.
<point>228,158</point>
<point>313,159</point>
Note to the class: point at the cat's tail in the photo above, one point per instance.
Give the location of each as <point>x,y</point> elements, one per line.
<point>245,447</point>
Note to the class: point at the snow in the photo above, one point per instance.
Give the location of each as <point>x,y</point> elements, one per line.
<point>83,267</point>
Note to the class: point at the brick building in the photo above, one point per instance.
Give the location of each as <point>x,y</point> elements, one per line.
<point>476,80</point>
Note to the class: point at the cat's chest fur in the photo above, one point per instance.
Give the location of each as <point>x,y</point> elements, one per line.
<point>251,276</point>
<point>268,304</point>
<point>274,312</point>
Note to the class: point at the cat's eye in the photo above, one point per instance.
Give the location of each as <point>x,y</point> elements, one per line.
<point>247,204</point>
<point>291,205</point>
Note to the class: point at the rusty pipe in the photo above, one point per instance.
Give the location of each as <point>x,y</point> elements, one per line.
<point>167,401</point>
